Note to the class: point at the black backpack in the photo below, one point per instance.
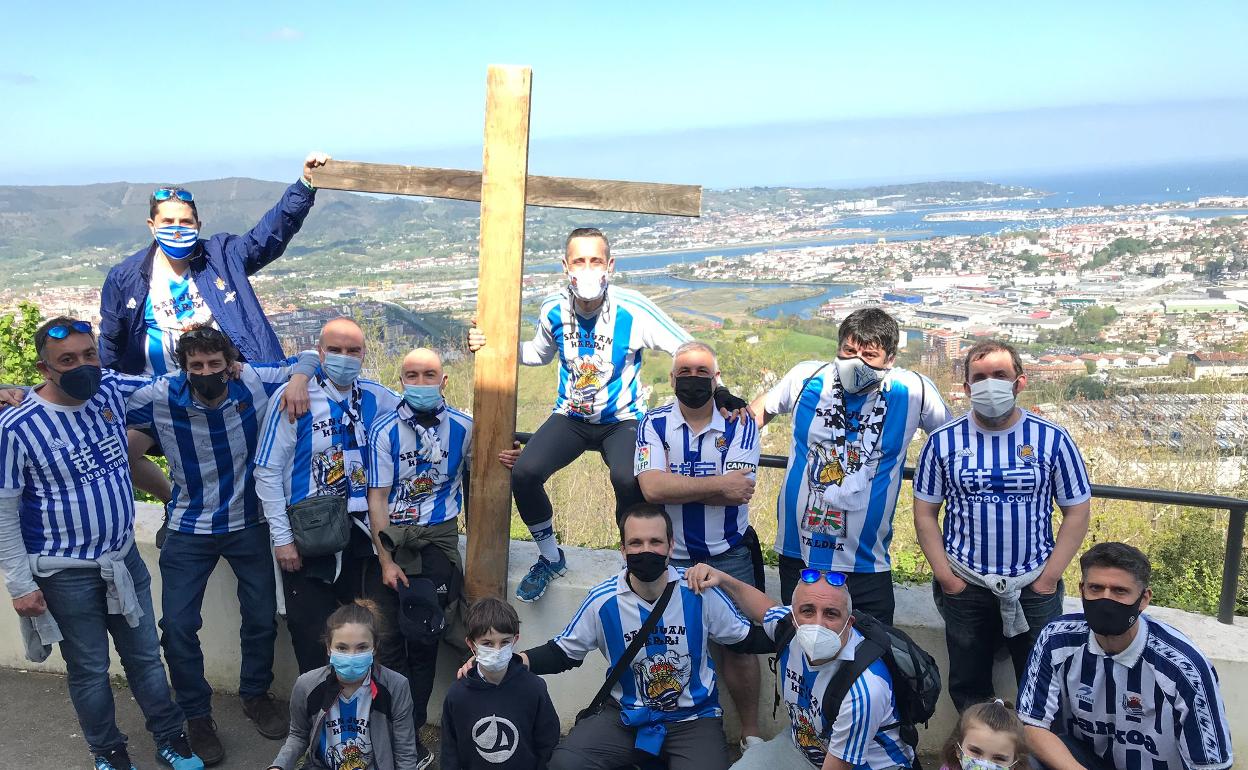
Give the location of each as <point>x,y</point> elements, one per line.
<point>916,677</point>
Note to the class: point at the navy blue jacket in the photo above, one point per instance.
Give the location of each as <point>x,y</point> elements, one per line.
<point>220,266</point>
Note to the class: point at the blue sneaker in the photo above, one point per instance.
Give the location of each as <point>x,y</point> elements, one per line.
<point>177,754</point>
<point>117,759</point>
<point>540,574</point>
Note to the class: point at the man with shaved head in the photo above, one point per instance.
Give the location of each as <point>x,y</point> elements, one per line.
<point>861,731</point>
<point>418,458</point>
<point>323,453</point>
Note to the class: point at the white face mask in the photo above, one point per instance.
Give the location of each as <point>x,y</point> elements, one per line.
<point>821,644</point>
<point>857,375</point>
<point>992,398</point>
<point>588,284</point>
<point>494,659</point>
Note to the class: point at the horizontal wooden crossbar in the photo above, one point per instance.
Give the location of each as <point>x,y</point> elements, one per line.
<point>680,200</point>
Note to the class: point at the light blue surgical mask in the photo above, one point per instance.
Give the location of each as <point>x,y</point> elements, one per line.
<point>351,667</point>
<point>422,398</point>
<point>341,369</point>
<point>177,241</point>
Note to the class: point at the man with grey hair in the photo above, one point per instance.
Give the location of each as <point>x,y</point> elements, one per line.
<point>863,730</point>
<point>701,468</point>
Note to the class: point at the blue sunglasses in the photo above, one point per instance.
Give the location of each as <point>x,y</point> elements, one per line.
<point>62,331</point>
<point>165,193</point>
<point>812,575</point>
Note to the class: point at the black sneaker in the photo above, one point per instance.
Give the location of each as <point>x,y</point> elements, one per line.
<point>117,759</point>
<point>177,754</point>
<point>202,733</point>
<point>423,757</point>
<point>272,720</point>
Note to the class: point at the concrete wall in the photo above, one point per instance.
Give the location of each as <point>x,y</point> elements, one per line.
<point>1227,646</point>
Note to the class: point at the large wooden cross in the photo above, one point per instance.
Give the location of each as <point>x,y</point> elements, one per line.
<point>503,187</point>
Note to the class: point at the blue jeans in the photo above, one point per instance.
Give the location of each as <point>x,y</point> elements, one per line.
<point>75,598</point>
<point>973,634</point>
<point>736,561</point>
<point>186,563</point>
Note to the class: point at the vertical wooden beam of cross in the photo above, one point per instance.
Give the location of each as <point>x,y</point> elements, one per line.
<point>504,188</point>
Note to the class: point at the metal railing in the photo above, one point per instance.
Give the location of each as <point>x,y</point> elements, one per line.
<point>1237,506</point>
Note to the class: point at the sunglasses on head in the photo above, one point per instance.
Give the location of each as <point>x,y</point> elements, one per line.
<point>165,193</point>
<point>62,331</point>
<point>812,575</point>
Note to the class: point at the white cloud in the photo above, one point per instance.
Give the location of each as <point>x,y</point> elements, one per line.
<point>286,34</point>
<point>18,79</point>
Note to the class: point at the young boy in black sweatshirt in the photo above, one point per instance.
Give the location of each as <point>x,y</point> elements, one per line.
<point>499,715</point>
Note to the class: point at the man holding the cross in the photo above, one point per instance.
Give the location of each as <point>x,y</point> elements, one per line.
<point>598,332</point>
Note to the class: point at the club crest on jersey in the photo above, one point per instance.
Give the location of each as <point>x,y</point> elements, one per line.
<point>588,374</point>
<point>721,443</point>
<point>242,406</point>
<point>661,678</point>
<point>411,492</point>
<point>1026,453</point>
<point>220,283</point>
<point>1133,705</point>
<point>805,734</point>
<point>108,415</point>
<point>352,755</point>
<point>329,470</point>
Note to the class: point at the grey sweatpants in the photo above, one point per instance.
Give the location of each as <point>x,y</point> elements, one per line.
<point>602,742</point>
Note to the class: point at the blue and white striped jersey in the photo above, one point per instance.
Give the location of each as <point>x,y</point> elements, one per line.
<point>600,357</point>
<point>210,450</point>
<point>856,540</point>
<point>424,468</point>
<point>173,303</point>
<point>854,733</point>
<point>1154,706</point>
<point>325,451</point>
<point>665,441</point>
<point>674,670</point>
<point>70,467</point>
<point>998,488</point>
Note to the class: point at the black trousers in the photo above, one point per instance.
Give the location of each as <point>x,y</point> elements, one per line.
<point>973,634</point>
<point>556,444</point>
<point>311,600</point>
<point>871,592</point>
<point>418,662</point>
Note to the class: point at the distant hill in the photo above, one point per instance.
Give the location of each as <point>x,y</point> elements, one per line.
<point>74,234</point>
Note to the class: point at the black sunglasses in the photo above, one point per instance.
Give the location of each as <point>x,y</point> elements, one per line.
<point>812,575</point>
<point>165,193</point>
<point>61,331</point>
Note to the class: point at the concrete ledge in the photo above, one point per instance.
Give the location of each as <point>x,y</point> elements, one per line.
<point>1226,645</point>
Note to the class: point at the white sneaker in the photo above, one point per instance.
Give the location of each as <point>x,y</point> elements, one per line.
<point>750,740</point>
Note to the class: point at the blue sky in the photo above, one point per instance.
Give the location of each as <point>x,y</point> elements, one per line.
<point>721,93</point>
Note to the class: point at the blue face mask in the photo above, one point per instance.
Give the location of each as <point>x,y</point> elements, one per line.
<point>177,241</point>
<point>349,667</point>
<point>341,369</point>
<point>422,398</point>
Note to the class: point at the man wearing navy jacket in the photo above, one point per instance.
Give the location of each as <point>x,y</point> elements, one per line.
<point>180,280</point>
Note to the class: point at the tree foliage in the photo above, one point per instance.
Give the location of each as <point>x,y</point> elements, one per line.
<point>17,345</point>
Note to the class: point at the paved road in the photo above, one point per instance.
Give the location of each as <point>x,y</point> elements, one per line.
<point>40,731</point>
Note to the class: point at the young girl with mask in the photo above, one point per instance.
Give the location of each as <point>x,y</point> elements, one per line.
<point>352,713</point>
<point>989,736</point>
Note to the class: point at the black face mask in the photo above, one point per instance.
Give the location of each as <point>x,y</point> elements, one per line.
<point>694,391</point>
<point>1107,617</point>
<point>207,386</point>
<point>82,382</point>
<point>646,566</point>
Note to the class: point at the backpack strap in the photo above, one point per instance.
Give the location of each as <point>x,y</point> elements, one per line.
<point>784,634</point>
<point>868,652</point>
<point>634,647</point>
